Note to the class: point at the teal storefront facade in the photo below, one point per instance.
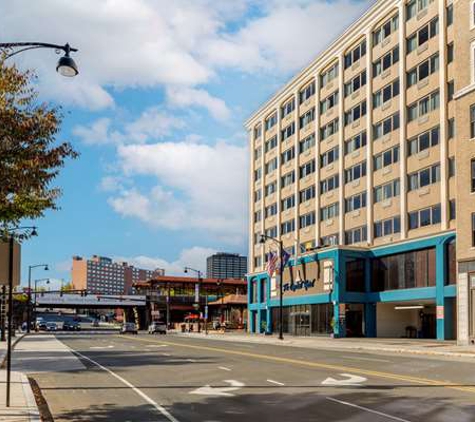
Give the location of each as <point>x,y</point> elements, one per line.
<point>406,289</point>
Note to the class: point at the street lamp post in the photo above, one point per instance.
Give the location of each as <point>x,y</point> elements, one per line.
<point>263,239</point>
<point>11,241</point>
<point>28,308</point>
<point>39,280</point>
<point>200,280</point>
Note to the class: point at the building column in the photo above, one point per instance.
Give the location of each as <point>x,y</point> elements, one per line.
<point>269,319</point>
<point>259,300</point>
<point>338,288</point>
<point>369,308</point>
<point>440,274</point>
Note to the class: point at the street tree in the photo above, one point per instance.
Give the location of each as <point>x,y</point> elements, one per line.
<point>30,154</point>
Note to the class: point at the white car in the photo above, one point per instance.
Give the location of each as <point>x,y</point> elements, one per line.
<point>157,327</point>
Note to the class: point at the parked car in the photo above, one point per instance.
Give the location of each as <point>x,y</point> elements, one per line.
<point>128,327</point>
<point>51,326</point>
<point>41,326</point>
<point>157,327</point>
<point>71,326</point>
<point>95,323</point>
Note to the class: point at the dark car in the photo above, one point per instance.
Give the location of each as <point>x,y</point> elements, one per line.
<point>41,326</point>
<point>71,326</point>
<point>128,327</point>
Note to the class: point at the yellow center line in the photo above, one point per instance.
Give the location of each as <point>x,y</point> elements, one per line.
<point>340,368</point>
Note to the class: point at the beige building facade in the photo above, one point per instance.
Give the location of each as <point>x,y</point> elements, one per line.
<point>372,147</point>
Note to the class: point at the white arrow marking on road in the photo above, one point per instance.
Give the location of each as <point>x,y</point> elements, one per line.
<point>224,368</point>
<point>102,347</point>
<point>207,390</point>
<point>350,380</point>
<point>157,345</point>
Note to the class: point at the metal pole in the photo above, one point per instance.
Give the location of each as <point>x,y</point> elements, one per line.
<point>3,312</point>
<point>206,313</point>
<point>28,306</point>
<point>10,318</point>
<point>168,307</point>
<point>281,299</point>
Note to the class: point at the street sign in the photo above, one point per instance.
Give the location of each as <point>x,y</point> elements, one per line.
<point>197,293</point>
<point>4,263</point>
<point>206,312</point>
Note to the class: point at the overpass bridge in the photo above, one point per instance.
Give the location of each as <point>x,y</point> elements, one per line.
<point>77,300</point>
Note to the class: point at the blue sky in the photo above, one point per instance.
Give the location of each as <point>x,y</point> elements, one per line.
<point>157,114</point>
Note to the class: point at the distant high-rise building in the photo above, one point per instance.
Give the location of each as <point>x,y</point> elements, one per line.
<point>226,265</point>
<point>100,275</point>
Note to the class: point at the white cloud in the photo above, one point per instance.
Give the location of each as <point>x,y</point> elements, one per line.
<point>197,187</point>
<point>194,257</point>
<point>187,97</point>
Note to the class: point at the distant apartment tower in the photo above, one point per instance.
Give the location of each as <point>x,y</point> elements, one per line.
<point>101,275</point>
<point>226,265</point>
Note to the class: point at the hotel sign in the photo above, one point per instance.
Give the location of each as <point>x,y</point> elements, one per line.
<point>303,279</point>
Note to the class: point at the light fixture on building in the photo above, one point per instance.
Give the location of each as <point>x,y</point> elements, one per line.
<point>401,308</point>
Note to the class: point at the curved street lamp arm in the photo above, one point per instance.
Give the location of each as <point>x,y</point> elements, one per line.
<point>25,46</point>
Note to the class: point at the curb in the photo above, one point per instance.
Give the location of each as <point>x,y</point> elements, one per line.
<point>33,411</point>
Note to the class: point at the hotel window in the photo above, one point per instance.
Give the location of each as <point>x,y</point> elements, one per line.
<point>472,121</point>
<point>307,220</point>
<point>355,84</point>
<point>355,113</point>
<point>288,155</point>
<point>386,126</point>
<point>386,158</point>
<point>356,235</point>
<point>307,246</point>
<point>287,108</point>
<point>423,141</point>
<point>287,226</point>
<point>386,191</point>
<point>422,35</point>
<point>257,131</point>
<point>307,92</point>
<point>415,6</point>
<point>330,211</point>
<point>452,209</point>
<point>271,121</point>
<point>329,184</point>
<point>354,55</point>
<point>329,129</point>
<point>423,70</point>
<point>329,157</point>
<point>450,14</point>
<point>472,174</point>
<point>257,174</point>
<point>424,177</point>
<point>307,118</point>
<point>329,102</point>
<point>385,30</point>
<point>257,153</point>
<point>355,202</point>
<point>271,231</point>
<point>271,188</point>
<point>287,132</point>
<point>386,61</point>
<point>330,240</point>
<point>424,106</point>
<point>288,202</point>
<point>451,166</point>
<point>287,179</point>
<point>270,144</point>
<point>424,217</point>
<point>307,143</point>
<point>450,90</point>
<point>450,52</point>
<point>307,194</point>
<point>329,75</point>
<point>307,169</point>
<point>387,227</point>
<point>355,143</point>
<point>385,94</point>
<point>355,172</point>
<point>271,165</point>
<point>473,229</point>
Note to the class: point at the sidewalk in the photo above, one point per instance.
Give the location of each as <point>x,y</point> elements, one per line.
<point>396,345</point>
<point>22,401</point>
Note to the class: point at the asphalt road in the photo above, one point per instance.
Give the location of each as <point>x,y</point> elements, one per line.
<point>168,378</point>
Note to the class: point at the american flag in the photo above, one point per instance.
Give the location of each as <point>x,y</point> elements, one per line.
<point>271,263</point>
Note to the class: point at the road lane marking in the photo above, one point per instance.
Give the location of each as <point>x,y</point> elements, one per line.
<point>339,368</point>
<point>207,390</point>
<point>157,345</point>
<point>165,354</point>
<point>369,359</point>
<point>102,347</point>
<point>275,382</point>
<point>366,409</point>
<point>161,409</point>
<point>224,368</point>
<point>350,379</point>
<point>191,360</point>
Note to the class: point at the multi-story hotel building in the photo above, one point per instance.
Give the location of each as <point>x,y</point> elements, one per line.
<point>101,275</point>
<point>363,165</point>
<point>226,265</point>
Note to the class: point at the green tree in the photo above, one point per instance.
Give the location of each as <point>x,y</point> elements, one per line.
<point>30,156</point>
<point>68,286</point>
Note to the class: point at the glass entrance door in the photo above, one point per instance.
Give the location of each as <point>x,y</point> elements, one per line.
<point>300,323</point>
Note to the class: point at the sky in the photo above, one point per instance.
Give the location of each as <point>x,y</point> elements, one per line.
<point>157,114</point>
